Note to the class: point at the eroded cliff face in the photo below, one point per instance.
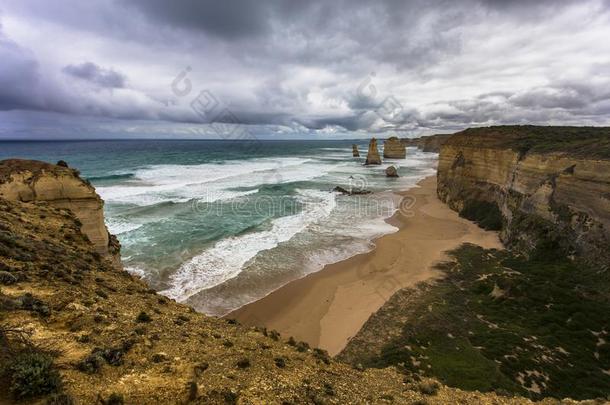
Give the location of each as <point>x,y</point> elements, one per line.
<point>430,143</point>
<point>558,194</point>
<point>61,187</point>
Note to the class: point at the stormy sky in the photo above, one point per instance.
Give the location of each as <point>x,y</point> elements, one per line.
<point>273,68</point>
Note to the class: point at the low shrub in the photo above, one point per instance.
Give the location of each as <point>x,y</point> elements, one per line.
<point>33,373</point>
<point>91,364</point>
<point>143,317</point>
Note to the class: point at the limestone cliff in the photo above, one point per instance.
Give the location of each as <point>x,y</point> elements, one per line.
<point>550,185</point>
<point>430,143</point>
<point>372,157</point>
<point>61,187</point>
<point>394,149</point>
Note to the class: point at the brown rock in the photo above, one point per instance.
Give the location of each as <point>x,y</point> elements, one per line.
<point>391,172</point>
<point>355,152</point>
<point>61,187</point>
<point>394,149</point>
<point>373,158</point>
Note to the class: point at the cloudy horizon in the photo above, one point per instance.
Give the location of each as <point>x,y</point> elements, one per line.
<point>280,69</point>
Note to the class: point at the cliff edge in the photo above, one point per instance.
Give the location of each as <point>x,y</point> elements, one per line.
<point>60,187</point>
<point>538,185</point>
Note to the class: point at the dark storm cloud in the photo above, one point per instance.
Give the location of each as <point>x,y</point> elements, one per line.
<point>312,65</point>
<point>228,18</point>
<point>18,76</point>
<point>93,73</point>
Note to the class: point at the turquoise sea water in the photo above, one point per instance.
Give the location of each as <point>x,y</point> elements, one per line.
<point>222,223</point>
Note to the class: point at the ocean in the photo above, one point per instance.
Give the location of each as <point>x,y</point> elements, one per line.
<point>219,224</point>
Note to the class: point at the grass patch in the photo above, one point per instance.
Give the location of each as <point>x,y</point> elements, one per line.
<point>593,142</point>
<point>502,323</point>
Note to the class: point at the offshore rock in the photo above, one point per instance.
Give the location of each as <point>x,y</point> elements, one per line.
<point>394,149</point>
<point>345,191</point>
<point>372,157</point>
<point>355,152</point>
<point>391,172</point>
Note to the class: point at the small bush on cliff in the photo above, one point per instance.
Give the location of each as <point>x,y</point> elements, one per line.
<point>487,215</point>
<point>32,374</point>
<point>143,317</point>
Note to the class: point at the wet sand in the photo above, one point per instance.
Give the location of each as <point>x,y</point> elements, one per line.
<point>327,308</point>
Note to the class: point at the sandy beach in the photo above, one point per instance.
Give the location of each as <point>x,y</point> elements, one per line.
<point>327,308</point>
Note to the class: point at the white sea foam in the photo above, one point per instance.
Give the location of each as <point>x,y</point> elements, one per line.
<point>227,257</point>
<point>211,182</point>
<point>117,226</point>
<point>136,271</point>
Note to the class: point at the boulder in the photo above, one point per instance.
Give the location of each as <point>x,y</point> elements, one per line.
<point>391,172</point>
<point>355,152</point>
<point>394,149</point>
<point>345,191</point>
<point>372,157</point>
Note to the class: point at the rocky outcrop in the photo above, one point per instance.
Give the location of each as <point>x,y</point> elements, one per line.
<point>391,172</point>
<point>394,149</point>
<point>351,191</point>
<point>430,143</point>
<point>550,185</point>
<point>60,187</point>
<point>372,157</point>
<point>355,152</point>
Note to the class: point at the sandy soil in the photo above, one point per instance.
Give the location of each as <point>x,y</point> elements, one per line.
<point>327,308</point>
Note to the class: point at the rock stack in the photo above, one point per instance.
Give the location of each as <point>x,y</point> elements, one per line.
<point>355,152</point>
<point>373,158</point>
<point>391,172</point>
<point>394,149</point>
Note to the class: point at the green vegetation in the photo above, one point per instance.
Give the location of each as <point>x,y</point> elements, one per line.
<point>27,370</point>
<point>143,317</point>
<point>32,373</point>
<point>502,323</point>
<point>578,141</point>
<point>486,214</point>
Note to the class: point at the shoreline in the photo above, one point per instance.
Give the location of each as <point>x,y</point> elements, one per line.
<point>327,308</point>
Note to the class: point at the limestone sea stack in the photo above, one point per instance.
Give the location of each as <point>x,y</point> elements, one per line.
<point>355,152</point>
<point>394,149</point>
<point>60,187</point>
<point>391,172</point>
<point>372,157</point>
